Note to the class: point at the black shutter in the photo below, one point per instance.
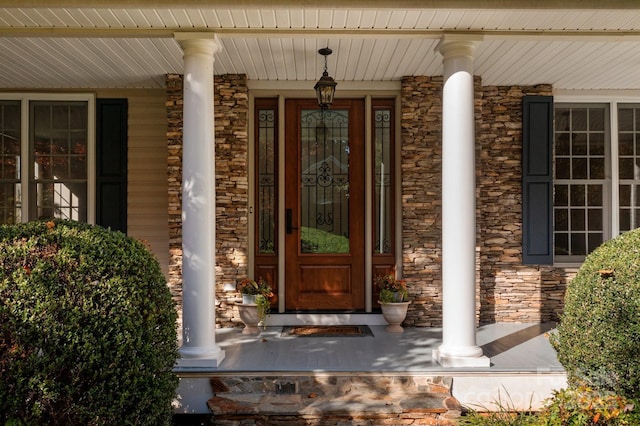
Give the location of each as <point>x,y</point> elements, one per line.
<point>537,180</point>
<point>111,163</point>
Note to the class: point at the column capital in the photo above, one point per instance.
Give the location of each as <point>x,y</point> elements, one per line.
<point>199,42</point>
<point>457,45</point>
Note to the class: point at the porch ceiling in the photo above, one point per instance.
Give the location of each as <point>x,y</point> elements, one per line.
<point>91,45</point>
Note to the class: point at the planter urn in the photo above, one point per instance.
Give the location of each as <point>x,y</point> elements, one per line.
<point>394,314</point>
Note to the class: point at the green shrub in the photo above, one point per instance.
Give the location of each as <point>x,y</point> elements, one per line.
<point>582,406</point>
<point>598,339</point>
<point>87,328</point>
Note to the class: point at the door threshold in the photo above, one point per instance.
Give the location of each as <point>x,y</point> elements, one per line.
<point>305,318</point>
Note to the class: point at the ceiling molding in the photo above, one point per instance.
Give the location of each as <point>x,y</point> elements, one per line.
<point>331,4</point>
<point>331,33</point>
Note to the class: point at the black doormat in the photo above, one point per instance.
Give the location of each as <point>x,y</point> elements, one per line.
<point>327,331</point>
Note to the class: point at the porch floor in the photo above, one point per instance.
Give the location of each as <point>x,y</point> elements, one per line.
<point>257,369</point>
<point>521,348</point>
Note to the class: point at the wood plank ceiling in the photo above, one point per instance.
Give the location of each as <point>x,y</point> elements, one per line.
<point>88,47</point>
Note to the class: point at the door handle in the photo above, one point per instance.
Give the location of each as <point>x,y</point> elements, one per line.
<point>288,216</point>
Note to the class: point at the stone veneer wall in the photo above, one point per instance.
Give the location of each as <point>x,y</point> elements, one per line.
<point>506,290</point>
<point>510,291</point>
<point>231,113</point>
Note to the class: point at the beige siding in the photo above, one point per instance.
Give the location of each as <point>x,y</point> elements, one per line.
<point>147,190</point>
<point>147,176</point>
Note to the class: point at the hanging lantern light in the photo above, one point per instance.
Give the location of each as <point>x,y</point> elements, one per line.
<point>325,87</point>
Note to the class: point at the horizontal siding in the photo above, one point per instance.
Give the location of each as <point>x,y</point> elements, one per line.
<point>147,170</point>
<point>147,190</point>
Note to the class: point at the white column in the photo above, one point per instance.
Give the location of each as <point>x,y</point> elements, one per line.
<point>199,348</point>
<point>458,208</point>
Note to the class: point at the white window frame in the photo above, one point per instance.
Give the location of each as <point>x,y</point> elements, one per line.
<point>611,228</point>
<point>25,154</point>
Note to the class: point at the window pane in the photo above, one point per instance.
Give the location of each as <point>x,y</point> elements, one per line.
<point>563,147</point>
<point>561,220</point>
<point>562,119</point>
<point>577,195</point>
<point>579,144</point>
<point>62,200</point>
<point>578,222</point>
<point>625,119</point>
<point>563,168</point>
<point>578,244</point>
<point>579,168</point>
<point>625,219</point>
<point>595,220</point>
<point>594,241</point>
<point>625,195</point>
<point>10,203</point>
<point>625,166</point>
<point>579,119</point>
<point>561,195</point>
<point>10,140</point>
<point>58,138</point>
<point>561,242</point>
<point>596,168</point>
<point>596,144</point>
<point>596,119</point>
<point>594,195</point>
<point>625,143</point>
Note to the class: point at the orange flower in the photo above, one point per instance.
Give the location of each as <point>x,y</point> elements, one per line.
<point>51,224</point>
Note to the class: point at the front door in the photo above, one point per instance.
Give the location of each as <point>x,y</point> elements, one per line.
<point>324,206</point>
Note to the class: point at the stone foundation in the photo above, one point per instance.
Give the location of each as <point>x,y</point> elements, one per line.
<point>333,400</point>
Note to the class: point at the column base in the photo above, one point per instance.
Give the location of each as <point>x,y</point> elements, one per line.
<point>453,361</point>
<point>195,359</point>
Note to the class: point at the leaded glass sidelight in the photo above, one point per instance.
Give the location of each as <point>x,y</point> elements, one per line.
<point>266,162</point>
<point>324,192</point>
<point>10,139</point>
<point>382,190</point>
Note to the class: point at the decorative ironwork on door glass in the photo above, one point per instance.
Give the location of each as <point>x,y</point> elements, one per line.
<point>266,164</point>
<point>382,208</point>
<point>324,191</point>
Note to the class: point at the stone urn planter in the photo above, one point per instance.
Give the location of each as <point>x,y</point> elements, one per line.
<point>394,313</point>
<point>249,317</point>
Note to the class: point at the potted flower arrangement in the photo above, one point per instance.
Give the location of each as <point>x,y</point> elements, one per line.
<point>393,301</point>
<point>256,303</point>
<point>391,289</point>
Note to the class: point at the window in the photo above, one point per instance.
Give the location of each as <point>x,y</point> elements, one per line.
<point>629,166</point>
<point>596,175</point>
<point>46,156</point>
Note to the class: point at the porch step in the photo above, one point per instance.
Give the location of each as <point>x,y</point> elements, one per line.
<point>333,399</point>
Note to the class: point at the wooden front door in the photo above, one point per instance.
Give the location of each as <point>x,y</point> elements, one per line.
<point>324,206</point>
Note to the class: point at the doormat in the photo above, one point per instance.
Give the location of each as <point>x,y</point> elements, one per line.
<point>327,331</point>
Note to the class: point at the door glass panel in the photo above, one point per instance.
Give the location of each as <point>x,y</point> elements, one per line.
<point>324,191</point>
<point>382,190</point>
<point>266,161</point>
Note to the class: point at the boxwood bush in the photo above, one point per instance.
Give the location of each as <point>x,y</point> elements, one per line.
<point>87,328</point>
<point>598,339</point>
